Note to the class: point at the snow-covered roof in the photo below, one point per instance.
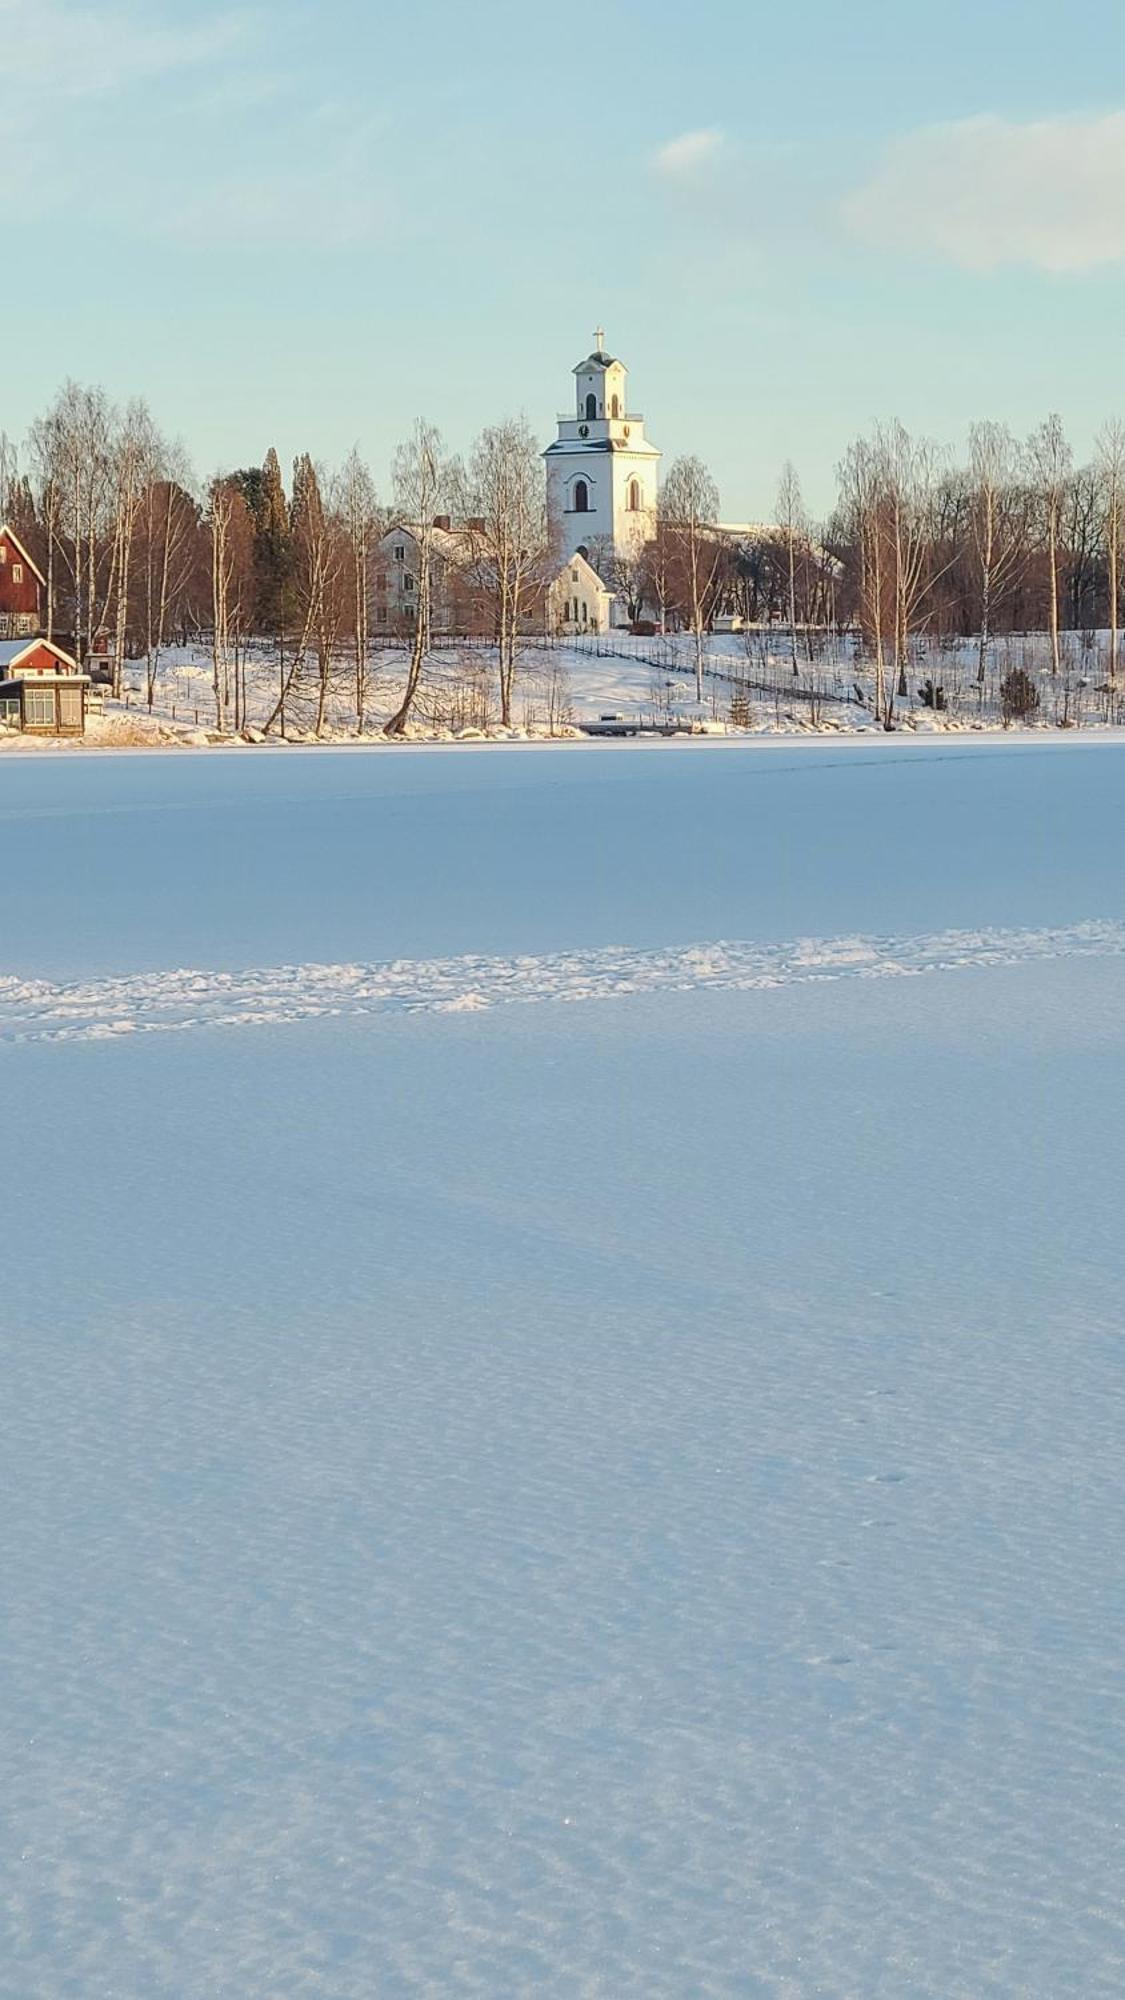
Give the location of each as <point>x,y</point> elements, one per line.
<point>13,650</point>
<point>573,447</point>
<point>454,545</point>
<point>585,569</point>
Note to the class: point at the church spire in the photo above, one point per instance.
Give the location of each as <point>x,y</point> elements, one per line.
<point>599,340</point>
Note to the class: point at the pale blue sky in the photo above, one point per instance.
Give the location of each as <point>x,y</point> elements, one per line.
<point>306,223</point>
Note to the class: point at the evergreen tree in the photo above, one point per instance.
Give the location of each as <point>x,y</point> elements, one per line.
<point>273,549</point>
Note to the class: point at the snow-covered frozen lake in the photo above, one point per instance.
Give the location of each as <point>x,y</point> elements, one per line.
<point>563,1373</point>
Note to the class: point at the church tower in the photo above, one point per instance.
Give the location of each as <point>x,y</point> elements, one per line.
<point>601,469</point>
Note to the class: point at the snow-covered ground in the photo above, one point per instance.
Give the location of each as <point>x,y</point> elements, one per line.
<point>749,688</point>
<point>511,1494</point>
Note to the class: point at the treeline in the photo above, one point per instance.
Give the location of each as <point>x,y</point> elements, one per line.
<point>1012,537</point>
<point>139,555</point>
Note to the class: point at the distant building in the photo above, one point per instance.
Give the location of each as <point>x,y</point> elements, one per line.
<point>42,690</point>
<point>456,602</point>
<point>578,601</point>
<point>22,585</point>
<point>564,599</point>
<point>601,469</point>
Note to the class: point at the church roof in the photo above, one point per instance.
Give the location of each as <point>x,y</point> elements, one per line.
<point>597,360</point>
<point>573,447</point>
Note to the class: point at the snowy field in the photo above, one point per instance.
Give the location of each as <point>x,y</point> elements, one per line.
<point>748,683</point>
<point>563,1376</point>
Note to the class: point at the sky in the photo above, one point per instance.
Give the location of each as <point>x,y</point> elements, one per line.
<point>307,223</point>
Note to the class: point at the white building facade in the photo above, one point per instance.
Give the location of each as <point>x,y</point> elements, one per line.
<point>601,469</point>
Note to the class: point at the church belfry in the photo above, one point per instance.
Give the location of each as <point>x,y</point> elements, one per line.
<point>601,469</point>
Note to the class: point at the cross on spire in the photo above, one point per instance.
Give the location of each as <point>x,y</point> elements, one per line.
<point>599,340</point>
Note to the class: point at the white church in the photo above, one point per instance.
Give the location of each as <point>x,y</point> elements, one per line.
<point>601,510</point>
<point>601,470</point>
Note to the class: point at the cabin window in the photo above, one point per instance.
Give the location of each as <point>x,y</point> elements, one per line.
<point>400,553</point>
<point>3,552</point>
<point>39,707</point>
<point>581,497</point>
<point>17,572</point>
<point>591,406</point>
<point>408,583</point>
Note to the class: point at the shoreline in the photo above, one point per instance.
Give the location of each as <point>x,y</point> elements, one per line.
<point>874,742</point>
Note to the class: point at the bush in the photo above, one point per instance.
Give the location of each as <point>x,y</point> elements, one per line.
<point>1019,696</point>
<point>931,696</point>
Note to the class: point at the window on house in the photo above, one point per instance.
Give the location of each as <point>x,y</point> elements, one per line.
<point>400,553</point>
<point>591,407</point>
<point>17,572</point>
<point>634,497</point>
<point>39,707</point>
<point>408,583</point>
<point>3,552</point>
<point>381,615</point>
<point>581,497</point>
<point>615,407</point>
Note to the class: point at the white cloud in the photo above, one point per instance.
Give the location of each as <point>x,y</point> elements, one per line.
<point>985,192</point>
<point>685,156</point>
<point>77,52</point>
<point>200,152</point>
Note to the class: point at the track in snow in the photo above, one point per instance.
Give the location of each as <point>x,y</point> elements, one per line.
<point>36,1010</point>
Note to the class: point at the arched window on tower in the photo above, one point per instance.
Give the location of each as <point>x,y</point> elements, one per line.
<point>634,497</point>
<point>615,407</point>
<point>591,407</point>
<point>581,497</point>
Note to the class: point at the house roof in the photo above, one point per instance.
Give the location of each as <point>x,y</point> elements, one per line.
<point>454,545</point>
<point>8,534</point>
<point>585,569</point>
<point>12,652</point>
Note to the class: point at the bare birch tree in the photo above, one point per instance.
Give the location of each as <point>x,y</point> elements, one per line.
<point>864,510</point>
<point>504,500</point>
<point>420,478</point>
<point>909,477</point>
<point>1050,459</point>
<point>168,530</point>
<point>998,521</point>
<point>1111,470</point>
<point>793,525</point>
<point>687,512</point>
<point>358,506</point>
<point>137,454</point>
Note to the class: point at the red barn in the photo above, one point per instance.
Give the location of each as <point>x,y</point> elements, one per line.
<point>22,584</point>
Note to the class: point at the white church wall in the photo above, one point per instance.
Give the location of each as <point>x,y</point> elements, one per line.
<point>610,453</point>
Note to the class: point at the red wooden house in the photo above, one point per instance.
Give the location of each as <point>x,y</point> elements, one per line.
<point>22,585</point>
